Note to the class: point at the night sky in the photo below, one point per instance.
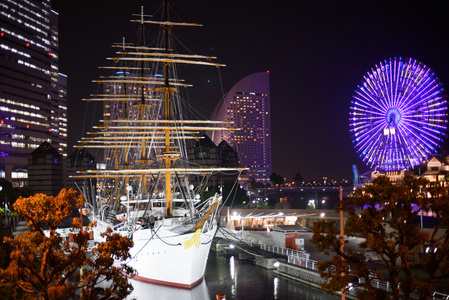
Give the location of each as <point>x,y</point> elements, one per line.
<point>316,52</point>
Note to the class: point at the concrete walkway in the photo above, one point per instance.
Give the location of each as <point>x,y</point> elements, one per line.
<point>269,238</point>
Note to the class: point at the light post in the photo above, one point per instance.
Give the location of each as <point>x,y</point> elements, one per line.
<point>128,190</point>
<point>342,246</point>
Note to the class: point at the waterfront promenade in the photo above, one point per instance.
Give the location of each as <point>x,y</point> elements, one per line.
<point>264,237</point>
<point>299,265</point>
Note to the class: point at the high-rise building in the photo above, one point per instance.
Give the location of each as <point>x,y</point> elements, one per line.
<point>33,96</point>
<point>248,105</point>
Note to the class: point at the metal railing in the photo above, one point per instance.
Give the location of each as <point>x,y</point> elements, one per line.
<point>280,250</point>
<point>437,295</point>
<point>302,259</point>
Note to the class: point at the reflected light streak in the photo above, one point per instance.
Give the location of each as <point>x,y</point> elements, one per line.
<point>276,288</point>
<point>233,274</point>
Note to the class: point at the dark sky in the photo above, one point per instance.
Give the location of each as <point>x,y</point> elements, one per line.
<point>316,51</point>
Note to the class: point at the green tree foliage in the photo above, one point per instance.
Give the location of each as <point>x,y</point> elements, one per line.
<point>388,217</point>
<point>46,265</point>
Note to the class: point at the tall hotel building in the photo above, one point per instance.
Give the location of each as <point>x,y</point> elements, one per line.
<point>248,105</point>
<point>33,94</point>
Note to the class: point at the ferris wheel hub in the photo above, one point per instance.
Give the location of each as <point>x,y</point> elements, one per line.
<point>393,117</point>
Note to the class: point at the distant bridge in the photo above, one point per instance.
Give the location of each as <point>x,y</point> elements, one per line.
<point>300,196</point>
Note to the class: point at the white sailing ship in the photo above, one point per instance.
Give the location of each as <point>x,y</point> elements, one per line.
<point>144,189</point>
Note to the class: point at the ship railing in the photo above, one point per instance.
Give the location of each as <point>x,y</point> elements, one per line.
<point>120,226</point>
<point>204,205</point>
<point>180,221</point>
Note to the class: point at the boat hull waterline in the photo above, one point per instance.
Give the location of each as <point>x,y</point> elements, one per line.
<point>165,258</point>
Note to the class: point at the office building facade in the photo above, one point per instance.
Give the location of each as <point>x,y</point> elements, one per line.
<point>247,105</point>
<point>33,94</point>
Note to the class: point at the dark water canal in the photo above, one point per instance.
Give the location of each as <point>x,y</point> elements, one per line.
<point>237,279</point>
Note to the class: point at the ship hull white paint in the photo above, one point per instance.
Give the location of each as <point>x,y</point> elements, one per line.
<point>161,257</point>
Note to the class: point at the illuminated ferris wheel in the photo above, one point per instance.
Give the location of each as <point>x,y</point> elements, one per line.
<point>398,116</point>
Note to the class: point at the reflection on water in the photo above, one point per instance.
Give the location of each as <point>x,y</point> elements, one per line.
<point>145,291</point>
<point>241,279</point>
<point>237,279</point>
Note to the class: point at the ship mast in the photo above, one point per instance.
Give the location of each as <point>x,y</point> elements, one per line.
<point>169,156</point>
<point>151,133</point>
<point>143,153</point>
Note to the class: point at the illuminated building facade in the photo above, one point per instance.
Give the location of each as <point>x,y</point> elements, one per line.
<point>33,94</point>
<point>247,105</point>
<point>131,90</point>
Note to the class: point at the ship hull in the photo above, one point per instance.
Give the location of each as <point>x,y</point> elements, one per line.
<point>162,257</point>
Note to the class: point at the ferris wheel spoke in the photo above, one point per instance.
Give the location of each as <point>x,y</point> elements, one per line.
<point>370,130</point>
<point>407,156</point>
<point>369,99</point>
<point>369,144</point>
<point>397,94</point>
<point>361,106</point>
<point>424,95</point>
<point>422,139</point>
<point>424,127</point>
<point>381,95</point>
<point>386,83</point>
<point>375,92</point>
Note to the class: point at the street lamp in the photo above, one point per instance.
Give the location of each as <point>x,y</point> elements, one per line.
<point>342,239</point>
<point>128,190</point>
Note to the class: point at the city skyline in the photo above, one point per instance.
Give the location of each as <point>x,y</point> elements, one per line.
<point>33,95</point>
<point>317,54</point>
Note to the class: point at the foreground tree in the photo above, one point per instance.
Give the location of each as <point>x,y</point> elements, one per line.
<point>46,265</point>
<point>388,217</point>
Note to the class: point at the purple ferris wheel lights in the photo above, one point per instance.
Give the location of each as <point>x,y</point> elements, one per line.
<point>398,115</point>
